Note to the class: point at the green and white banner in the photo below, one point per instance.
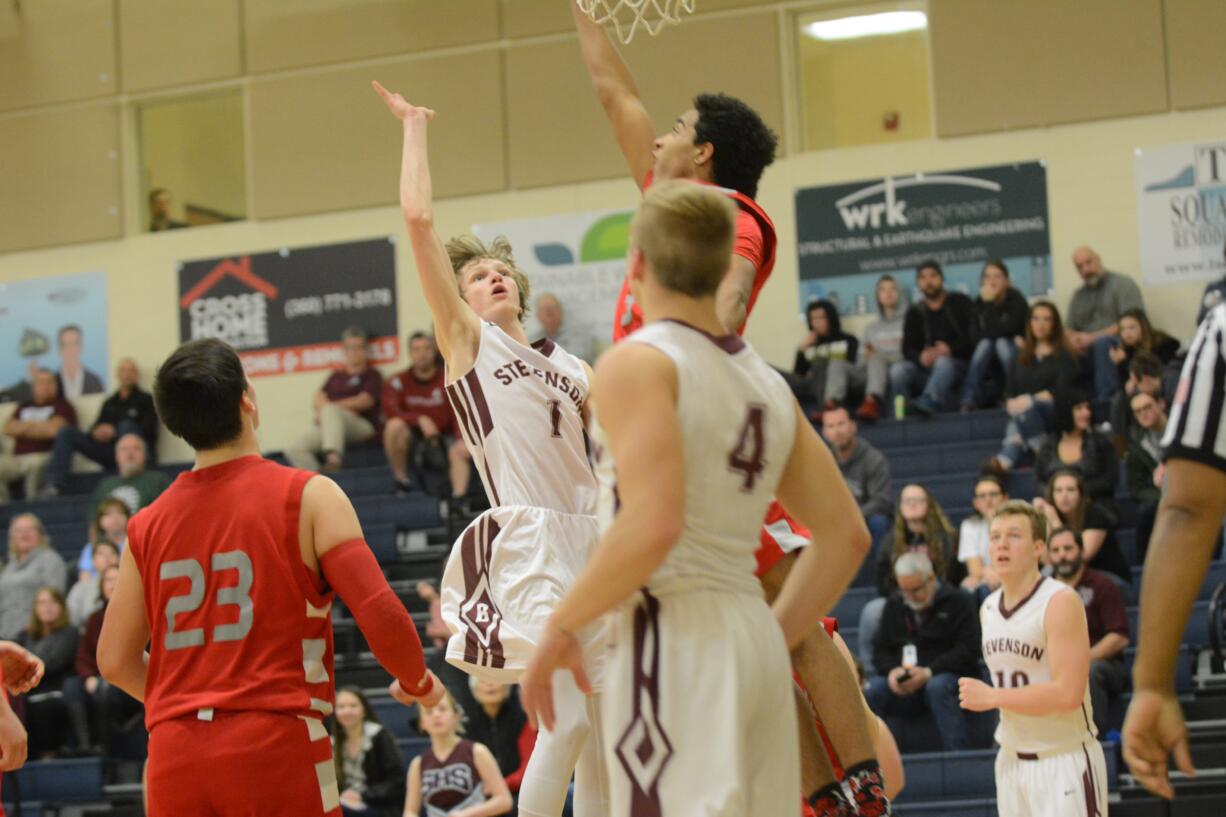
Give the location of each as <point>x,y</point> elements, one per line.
<point>1181,212</point>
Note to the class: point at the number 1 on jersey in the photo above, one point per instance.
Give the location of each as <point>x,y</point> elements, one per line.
<point>747,458</point>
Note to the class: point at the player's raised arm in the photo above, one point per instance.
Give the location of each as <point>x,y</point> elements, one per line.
<point>457,328</point>
<point>813,491</point>
<point>329,532</point>
<point>125,632</point>
<point>618,95</point>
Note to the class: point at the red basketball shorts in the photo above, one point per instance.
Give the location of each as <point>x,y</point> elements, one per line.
<point>781,535</point>
<point>242,764</point>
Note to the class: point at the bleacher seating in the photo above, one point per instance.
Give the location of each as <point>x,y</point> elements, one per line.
<point>943,454</point>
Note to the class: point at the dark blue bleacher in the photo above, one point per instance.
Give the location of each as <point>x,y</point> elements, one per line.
<point>45,782</point>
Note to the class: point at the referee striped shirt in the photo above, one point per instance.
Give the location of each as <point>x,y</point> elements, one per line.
<point>1197,427</point>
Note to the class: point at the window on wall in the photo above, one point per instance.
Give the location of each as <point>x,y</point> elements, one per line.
<point>192,163</point>
<point>863,75</point>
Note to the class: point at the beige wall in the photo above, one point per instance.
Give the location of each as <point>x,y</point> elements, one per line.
<point>1090,179</point>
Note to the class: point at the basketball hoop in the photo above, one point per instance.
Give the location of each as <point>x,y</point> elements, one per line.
<point>628,16</point>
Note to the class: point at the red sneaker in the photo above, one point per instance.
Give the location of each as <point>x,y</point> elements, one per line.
<point>869,411</point>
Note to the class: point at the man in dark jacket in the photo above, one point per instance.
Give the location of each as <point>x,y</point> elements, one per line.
<point>128,411</point>
<point>928,638</point>
<point>937,342</point>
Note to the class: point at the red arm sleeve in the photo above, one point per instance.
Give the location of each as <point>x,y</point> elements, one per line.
<point>351,569</point>
<point>525,744</point>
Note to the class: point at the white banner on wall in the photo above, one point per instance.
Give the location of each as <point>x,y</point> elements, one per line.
<point>1181,211</point>
<point>578,257</point>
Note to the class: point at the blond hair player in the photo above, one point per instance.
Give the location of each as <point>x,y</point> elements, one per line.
<point>693,433</point>
<point>1037,646</point>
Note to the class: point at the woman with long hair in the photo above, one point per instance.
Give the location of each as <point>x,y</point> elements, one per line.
<point>435,775</point>
<point>369,767</point>
<point>1066,505</point>
<point>1044,368</point>
<point>51,637</point>
<point>1079,446</point>
<point>920,524</point>
<point>826,359</point>
<point>1137,334</point>
<point>999,324</point>
<point>31,564</point>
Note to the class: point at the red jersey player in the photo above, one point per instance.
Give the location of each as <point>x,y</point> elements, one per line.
<point>229,577</point>
<point>723,142</point>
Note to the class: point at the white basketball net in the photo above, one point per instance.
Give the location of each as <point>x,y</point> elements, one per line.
<point>628,16</point>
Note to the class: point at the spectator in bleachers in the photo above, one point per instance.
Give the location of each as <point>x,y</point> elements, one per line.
<point>571,336</point>
<point>128,411</point>
<point>1137,334</point>
<point>160,208</point>
<point>864,469</point>
<point>1145,374</point>
<point>454,775</point>
<point>85,597</point>
<point>973,538</point>
<point>1066,505</point>
<point>1093,318</point>
<point>1214,294</point>
<point>98,712</point>
<point>928,638</point>
<point>33,427</point>
<point>369,766</point>
<point>1043,368</point>
<point>919,525</point>
<point>882,349</point>
<point>499,723</point>
<point>110,524</point>
<point>1144,465</point>
<point>136,485</point>
<point>418,431</point>
<point>1105,615</point>
<point>936,344</point>
<point>51,637</point>
<point>31,564</point>
<point>74,379</point>
<point>826,361</point>
<point>346,408</point>
<point>1079,446</point>
<point>1000,314</point>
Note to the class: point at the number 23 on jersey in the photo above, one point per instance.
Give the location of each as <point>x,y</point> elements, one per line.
<point>237,595</point>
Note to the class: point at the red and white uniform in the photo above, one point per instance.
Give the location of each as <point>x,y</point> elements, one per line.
<point>240,655</point>
<point>755,242</point>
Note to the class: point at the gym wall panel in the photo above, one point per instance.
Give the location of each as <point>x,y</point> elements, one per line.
<point>292,33</point>
<point>1022,63</point>
<point>325,141</point>
<point>532,18</point>
<point>173,42</point>
<point>1194,53</point>
<point>62,51</point>
<point>557,131</point>
<point>63,187</point>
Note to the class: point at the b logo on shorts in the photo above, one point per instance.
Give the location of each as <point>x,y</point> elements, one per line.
<point>480,615</point>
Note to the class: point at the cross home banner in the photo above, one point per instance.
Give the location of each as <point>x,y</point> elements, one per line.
<point>284,310</point>
<point>848,235</point>
<point>1181,212</point>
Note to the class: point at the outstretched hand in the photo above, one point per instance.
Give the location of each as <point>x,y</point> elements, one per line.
<point>437,690</point>
<point>399,107</point>
<point>22,669</point>
<point>556,650</point>
<point>1154,730</point>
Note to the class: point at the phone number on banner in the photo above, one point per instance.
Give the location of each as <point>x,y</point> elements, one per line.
<point>314,305</point>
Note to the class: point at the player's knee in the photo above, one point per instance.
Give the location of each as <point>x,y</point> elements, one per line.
<point>395,430</point>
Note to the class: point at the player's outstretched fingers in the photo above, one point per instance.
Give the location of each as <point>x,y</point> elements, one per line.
<point>581,680</point>
<point>1147,761</point>
<point>537,698</point>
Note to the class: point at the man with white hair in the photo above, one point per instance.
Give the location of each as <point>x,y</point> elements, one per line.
<point>929,637</point>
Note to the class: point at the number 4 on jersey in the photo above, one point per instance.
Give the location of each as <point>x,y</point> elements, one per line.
<point>747,457</point>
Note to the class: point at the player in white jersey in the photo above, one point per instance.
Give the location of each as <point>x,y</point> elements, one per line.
<point>520,409</point>
<point>692,434</point>
<point>1037,646</point>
